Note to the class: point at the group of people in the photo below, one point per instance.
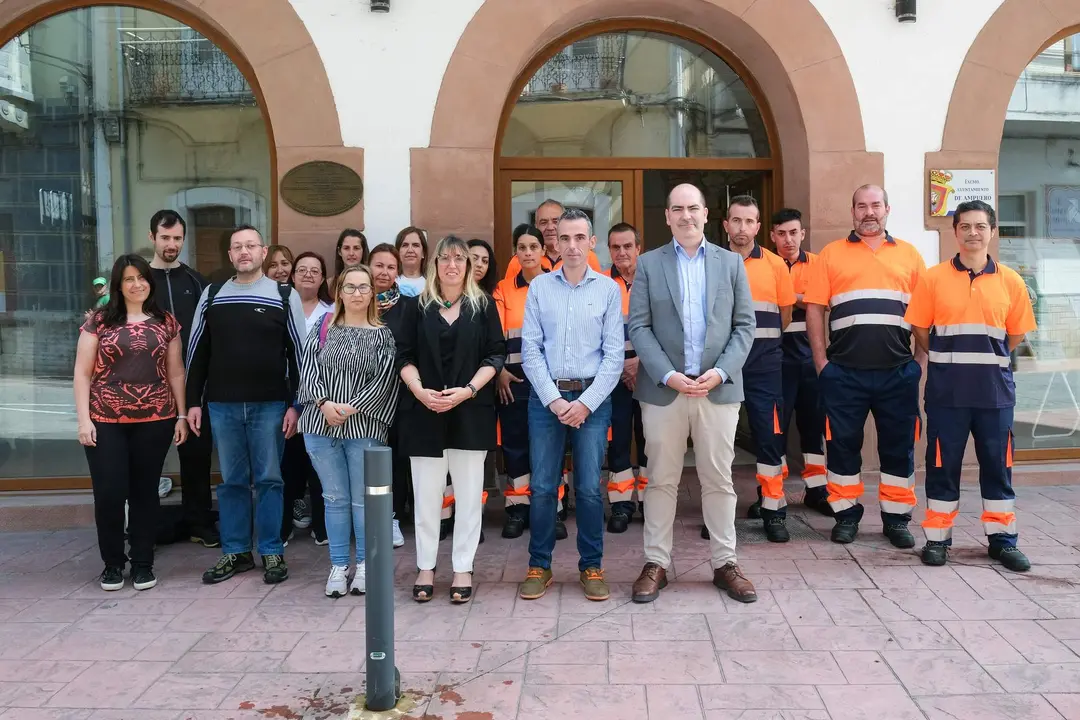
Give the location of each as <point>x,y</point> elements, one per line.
<point>445,361</point>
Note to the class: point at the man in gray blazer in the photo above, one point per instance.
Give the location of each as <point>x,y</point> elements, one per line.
<point>692,324</point>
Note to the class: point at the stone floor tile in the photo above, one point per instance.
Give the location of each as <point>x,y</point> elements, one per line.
<point>27,693</point>
<point>998,609</point>
<point>229,661</point>
<point>682,598</point>
<point>922,636</point>
<point>109,623</point>
<point>843,638</point>
<point>906,605</point>
<point>988,583</point>
<point>195,690</point>
<point>59,611</point>
<point>982,642</point>
<point>865,668</point>
<point>760,697</point>
<point>500,656</point>
<point>492,697</point>
<point>568,652</point>
<point>143,714</point>
<point>594,627</point>
<point>495,598</point>
<point>847,607</point>
<point>869,702</point>
<point>277,693</point>
<point>838,574</point>
<point>1042,678</point>
<point>662,663</point>
<point>988,707</point>
<point>539,703</point>
<point>1068,704</point>
<point>946,584</point>
<point>780,667</point>
<point>169,646</point>
<point>25,713</point>
<point>566,674</point>
<point>327,652</point>
<point>224,615</point>
<point>669,626</point>
<point>11,607</point>
<point>143,604</point>
<point>249,642</point>
<point>322,617</point>
<point>900,577</point>
<point>1062,607</point>
<point>61,671</point>
<point>802,607</point>
<point>80,645</point>
<point>1033,641</point>
<point>17,640</point>
<point>437,656</point>
<point>495,628</point>
<point>940,672</point>
<point>753,632</point>
<point>109,685</point>
<point>673,702</point>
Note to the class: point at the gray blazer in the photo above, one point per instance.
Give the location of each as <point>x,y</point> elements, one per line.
<point>656,328</point>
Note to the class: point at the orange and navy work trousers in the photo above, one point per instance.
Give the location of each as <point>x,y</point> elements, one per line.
<point>848,396</point>
<point>764,401</point>
<point>801,399</point>
<point>626,427</point>
<point>947,431</point>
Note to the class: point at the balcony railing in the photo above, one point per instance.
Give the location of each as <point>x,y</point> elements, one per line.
<point>587,67</point>
<point>177,65</point>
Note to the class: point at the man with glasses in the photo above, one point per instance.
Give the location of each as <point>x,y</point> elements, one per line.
<point>244,365</point>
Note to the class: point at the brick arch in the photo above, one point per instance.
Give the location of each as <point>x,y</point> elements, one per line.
<point>785,44</point>
<point>284,70</point>
<point>1013,36</point>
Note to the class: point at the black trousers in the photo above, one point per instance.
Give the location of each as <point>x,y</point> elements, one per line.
<point>126,465</point>
<point>195,495</point>
<point>402,480</point>
<point>299,475</point>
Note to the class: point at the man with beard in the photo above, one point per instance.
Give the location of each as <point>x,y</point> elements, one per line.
<point>179,288</point>
<point>866,281</point>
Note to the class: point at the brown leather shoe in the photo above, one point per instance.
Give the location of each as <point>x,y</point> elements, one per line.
<point>650,582</point>
<point>731,578</point>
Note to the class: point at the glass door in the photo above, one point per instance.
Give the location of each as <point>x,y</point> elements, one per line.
<point>718,186</point>
<point>606,196</point>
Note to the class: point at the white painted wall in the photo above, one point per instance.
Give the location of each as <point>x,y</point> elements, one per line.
<point>385,71</point>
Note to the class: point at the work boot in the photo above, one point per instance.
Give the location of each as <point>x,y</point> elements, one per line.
<point>1010,557</point>
<point>560,530</point>
<point>754,511</point>
<point>536,584</point>
<point>704,532</point>
<point>738,587</point>
<point>227,566</point>
<point>445,527</point>
<point>592,580</point>
<point>274,569</point>
<point>516,522</point>
<point>618,522</point>
<point>207,536</point>
<point>844,531</point>
<point>935,553</point>
<point>650,582</point>
<point>818,499</point>
<point>899,535</point>
<point>776,530</point>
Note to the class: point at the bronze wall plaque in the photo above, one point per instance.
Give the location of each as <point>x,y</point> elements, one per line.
<point>321,188</point>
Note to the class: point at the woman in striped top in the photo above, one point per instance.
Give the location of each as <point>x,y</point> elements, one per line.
<point>348,388</point>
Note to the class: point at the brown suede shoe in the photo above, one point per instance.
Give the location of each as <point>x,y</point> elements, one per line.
<point>650,582</point>
<point>731,578</point>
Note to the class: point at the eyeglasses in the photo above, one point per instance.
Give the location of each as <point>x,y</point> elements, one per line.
<point>308,271</point>
<point>452,260</point>
<point>250,247</point>
<point>350,289</point>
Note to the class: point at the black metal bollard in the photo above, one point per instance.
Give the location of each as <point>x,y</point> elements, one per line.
<point>383,680</point>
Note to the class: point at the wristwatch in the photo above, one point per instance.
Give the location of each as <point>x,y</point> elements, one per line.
<point>473,388</point>
<point>322,402</point>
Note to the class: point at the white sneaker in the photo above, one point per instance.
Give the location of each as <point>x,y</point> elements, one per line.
<point>337,585</point>
<point>164,487</point>
<point>399,539</point>
<point>359,581</point>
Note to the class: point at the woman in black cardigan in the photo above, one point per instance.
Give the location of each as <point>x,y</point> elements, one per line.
<point>451,349</point>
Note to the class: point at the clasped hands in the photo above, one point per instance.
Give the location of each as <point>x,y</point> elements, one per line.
<point>441,401</point>
<point>700,387</point>
<point>572,414</point>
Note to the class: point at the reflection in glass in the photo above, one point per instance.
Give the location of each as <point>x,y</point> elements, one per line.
<point>106,115</point>
<point>601,200</point>
<point>635,94</point>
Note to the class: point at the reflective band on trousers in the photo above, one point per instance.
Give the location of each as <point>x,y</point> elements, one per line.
<point>799,326</point>
<point>766,332</point>
<point>999,517</point>
<point>968,358</point>
<point>897,481</point>
<point>766,307</point>
<point>513,333</point>
<point>940,515</point>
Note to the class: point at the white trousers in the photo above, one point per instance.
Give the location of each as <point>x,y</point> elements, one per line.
<point>713,429</point>
<point>466,468</point>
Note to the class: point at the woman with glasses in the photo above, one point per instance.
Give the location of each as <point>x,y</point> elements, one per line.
<point>309,279</point>
<point>348,387</point>
<point>130,401</point>
<point>451,348</point>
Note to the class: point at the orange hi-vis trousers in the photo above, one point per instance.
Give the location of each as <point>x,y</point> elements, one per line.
<point>626,430</point>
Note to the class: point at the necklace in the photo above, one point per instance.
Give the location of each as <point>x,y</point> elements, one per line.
<point>450,303</point>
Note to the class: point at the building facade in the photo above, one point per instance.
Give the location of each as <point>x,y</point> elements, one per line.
<point>460,115</point>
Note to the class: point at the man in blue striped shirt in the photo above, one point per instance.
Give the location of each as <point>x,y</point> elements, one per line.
<point>572,352</point>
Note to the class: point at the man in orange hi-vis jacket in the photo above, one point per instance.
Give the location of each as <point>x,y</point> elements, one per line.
<point>969,313</point>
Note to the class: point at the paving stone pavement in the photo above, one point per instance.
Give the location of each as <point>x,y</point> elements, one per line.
<point>841,632</point>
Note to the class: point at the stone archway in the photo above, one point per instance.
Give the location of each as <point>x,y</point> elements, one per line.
<point>785,44</point>
<point>1011,38</point>
<point>284,69</point>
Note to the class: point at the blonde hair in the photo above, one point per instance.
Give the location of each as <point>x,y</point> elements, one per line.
<point>339,297</point>
<point>471,291</point>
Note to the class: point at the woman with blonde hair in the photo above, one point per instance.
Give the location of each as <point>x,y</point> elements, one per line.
<point>451,349</point>
<point>348,387</point>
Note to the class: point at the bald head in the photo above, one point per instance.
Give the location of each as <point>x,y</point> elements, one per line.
<point>870,192</point>
<point>686,193</point>
<point>686,215</point>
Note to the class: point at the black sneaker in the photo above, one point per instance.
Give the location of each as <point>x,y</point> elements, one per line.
<point>514,526</point>
<point>618,522</point>
<point>844,531</point>
<point>1010,557</point>
<point>206,536</point>
<point>776,530</point>
<point>274,569</point>
<point>319,535</point>
<point>560,530</point>
<point>445,528</point>
<point>227,566</point>
<point>285,538</point>
<point>899,535</point>
<point>754,511</point>
<point>143,578</point>
<point>935,553</point>
<point>112,578</point>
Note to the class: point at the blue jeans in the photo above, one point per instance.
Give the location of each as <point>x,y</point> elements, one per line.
<point>249,442</point>
<point>340,466</point>
<point>547,445</point>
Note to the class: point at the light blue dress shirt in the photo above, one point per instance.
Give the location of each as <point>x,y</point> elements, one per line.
<point>573,332</point>
<point>692,285</point>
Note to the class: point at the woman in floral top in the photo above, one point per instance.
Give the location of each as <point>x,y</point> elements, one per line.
<point>129,396</point>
